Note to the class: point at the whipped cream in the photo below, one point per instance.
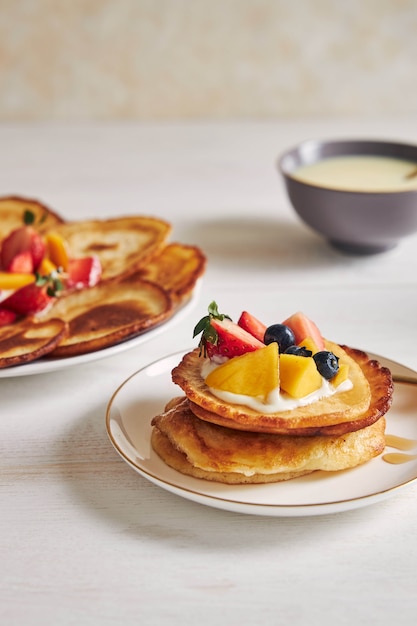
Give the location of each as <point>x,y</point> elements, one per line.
<point>276,400</point>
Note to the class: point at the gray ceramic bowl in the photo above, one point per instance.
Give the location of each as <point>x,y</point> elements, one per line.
<point>358,222</point>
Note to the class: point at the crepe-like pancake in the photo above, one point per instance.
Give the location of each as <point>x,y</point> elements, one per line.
<point>122,244</point>
<point>176,268</point>
<point>29,339</point>
<point>204,450</point>
<point>12,209</point>
<point>345,411</point>
<point>109,313</point>
<point>144,280</point>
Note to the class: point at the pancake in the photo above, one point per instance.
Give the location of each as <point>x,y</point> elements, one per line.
<point>205,450</point>
<point>29,339</point>
<point>12,209</point>
<point>176,268</point>
<point>109,313</point>
<point>145,280</point>
<point>123,244</point>
<point>369,399</point>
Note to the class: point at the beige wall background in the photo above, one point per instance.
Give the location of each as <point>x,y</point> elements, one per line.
<point>176,59</point>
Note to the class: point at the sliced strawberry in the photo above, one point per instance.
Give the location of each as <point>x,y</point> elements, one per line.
<point>22,263</point>
<point>83,272</point>
<point>37,248</point>
<point>28,300</point>
<point>232,340</point>
<point>252,325</point>
<point>22,239</point>
<point>6,317</point>
<point>303,327</point>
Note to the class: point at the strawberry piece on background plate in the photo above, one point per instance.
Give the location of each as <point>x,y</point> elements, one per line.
<point>28,300</point>
<point>22,263</point>
<point>20,240</point>
<point>83,272</point>
<point>6,316</point>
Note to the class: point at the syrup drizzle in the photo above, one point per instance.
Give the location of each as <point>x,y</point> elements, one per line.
<point>401,443</point>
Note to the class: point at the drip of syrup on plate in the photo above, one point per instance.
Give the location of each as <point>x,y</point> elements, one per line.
<point>401,443</point>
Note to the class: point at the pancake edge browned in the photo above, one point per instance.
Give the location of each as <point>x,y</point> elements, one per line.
<point>177,460</point>
<point>71,347</point>
<point>207,407</point>
<point>45,348</point>
<point>182,286</point>
<point>212,452</point>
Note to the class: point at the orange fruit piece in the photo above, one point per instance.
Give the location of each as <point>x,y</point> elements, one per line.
<point>15,280</point>
<point>57,250</point>
<point>253,374</point>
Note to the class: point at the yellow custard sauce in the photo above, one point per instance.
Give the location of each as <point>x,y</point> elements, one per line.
<point>360,173</point>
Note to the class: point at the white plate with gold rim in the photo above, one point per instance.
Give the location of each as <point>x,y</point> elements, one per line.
<point>144,394</point>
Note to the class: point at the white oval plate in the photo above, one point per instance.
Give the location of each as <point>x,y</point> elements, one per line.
<point>45,365</point>
<point>144,394</point>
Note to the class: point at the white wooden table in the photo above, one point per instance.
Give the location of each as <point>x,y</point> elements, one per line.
<point>86,540</point>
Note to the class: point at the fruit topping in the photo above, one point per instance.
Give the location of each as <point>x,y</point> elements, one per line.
<point>222,337</point>
<point>327,363</point>
<point>252,325</point>
<point>57,250</point>
<point>298,375</point>
<point>342,374</point>
<point>299,351</point>
<point>280,334</point>
<point>33,298</point>
<point>46,267</point>
<point>309,344</point>
<point>253,374</point>
<point>16,280</point>
<point>303,327</point>
<point>6,317</point>
<point>22,263</point>
<point>83,272</point>
<point>290,358</point>
<point>23,249</point>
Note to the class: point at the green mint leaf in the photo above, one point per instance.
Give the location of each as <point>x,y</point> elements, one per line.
<point>28,217</point>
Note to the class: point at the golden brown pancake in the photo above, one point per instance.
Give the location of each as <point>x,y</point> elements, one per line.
<point>205,450</point>
<point>12,209</point>
<point>122,244</point>
<point>342,412</point>
<point>176,268</point>
<point>29,339</point>
<point>145,280</point>
<point>109,313</point>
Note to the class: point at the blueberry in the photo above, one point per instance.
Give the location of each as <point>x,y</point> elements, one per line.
<point>281,334</point>
<point>327,363</point>
<point>298,351</point>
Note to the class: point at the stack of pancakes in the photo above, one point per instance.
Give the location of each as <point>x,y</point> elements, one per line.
<point>145,280</point>
<point>202,436</point>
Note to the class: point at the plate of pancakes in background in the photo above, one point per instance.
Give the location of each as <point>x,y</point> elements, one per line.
<point>147,285</point>
<point>366,458</point>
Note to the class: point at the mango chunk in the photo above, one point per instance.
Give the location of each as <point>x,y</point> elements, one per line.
<point>341,376</point>
<point>15,280</point>
<point>57,250</point>
<point>253,374</point>
<point>310,344</point>
<point>298,375</point>
<point>46,267</point>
